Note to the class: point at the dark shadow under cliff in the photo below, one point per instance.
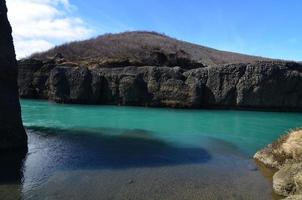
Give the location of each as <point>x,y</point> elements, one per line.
<point>91,148</point>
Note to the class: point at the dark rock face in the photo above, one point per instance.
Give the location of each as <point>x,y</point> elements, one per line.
<point>12,134</point>
<point>69,84</point>
<point>261,85</point>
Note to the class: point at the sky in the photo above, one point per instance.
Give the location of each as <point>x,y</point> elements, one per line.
<point>268,28</point>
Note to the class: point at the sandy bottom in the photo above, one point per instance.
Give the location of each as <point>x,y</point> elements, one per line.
<point>66,167</point>
<point>222,179</point>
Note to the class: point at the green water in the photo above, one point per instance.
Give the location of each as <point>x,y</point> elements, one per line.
<point>247,130</point>
<point>120,153</point>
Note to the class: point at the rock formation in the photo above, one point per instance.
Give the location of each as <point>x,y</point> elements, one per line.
<point>12,134</point>
<point>285,155</point>
<point>271,85</point>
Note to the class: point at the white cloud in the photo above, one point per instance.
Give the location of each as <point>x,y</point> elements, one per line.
<point>41,24</point>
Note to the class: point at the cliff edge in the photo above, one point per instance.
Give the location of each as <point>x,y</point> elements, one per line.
<point>265,85</point>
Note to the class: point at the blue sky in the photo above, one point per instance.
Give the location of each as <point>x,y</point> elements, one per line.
<point>270,28</point>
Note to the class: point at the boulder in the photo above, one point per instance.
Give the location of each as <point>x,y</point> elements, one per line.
<point>288,180</point>
<point>285,154</point>
<point>293,197</point>
<point>287,149</point>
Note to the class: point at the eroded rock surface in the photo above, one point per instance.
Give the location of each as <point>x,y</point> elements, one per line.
<point>294,197</point>
<point>285,155</point>
<point>288,180</point>
<point>286,150</point>
<point>270,85</point>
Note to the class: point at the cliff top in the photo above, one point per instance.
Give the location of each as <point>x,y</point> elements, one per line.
<point>142,48</point>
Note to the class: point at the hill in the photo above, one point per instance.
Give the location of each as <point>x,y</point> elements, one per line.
<point>143,48</point>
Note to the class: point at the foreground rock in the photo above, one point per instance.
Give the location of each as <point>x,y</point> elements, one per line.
<point>286,150</point>
<point>285,155</point>
<point>270,85</point>
<point>12,134</point>
<point>294,197</point>
<point>288,180</point>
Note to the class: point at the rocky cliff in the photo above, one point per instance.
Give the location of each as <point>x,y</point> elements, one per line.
<point>12,134</point>
<point>272,85</point>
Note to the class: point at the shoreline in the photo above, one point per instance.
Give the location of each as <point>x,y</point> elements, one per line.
<point>231,108</point>
<point>283,161</point>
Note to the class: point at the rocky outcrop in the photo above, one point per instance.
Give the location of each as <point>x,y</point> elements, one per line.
<point>286,150</point>
<point>262,85</point>
<point>285,155</point>
<point>12,134</point>
<point>288,180</point>
<point>294,197</point>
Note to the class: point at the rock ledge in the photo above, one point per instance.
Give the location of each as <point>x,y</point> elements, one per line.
<point>285,155</point>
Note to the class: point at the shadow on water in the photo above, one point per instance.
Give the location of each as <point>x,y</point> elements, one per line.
<point>11,174</point>
<point>92,148</point>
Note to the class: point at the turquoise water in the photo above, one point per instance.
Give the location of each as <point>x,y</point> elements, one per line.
<point>247,130</point>
<point>117,153</point>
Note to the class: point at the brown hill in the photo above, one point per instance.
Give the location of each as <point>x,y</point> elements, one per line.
<point>143,48</point>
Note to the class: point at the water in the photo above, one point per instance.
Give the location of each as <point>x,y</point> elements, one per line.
<point>111,152</point>
<point>249,131</point>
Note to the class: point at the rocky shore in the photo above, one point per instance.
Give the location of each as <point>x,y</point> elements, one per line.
<point>285,156</point>
<point>12,134</point>
<point>268,85</point>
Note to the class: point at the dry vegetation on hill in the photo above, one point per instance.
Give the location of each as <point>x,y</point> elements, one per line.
<point>143,48</point>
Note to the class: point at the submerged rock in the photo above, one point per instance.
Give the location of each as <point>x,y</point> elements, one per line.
<point>285,155</point>
<point>12,134</point>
